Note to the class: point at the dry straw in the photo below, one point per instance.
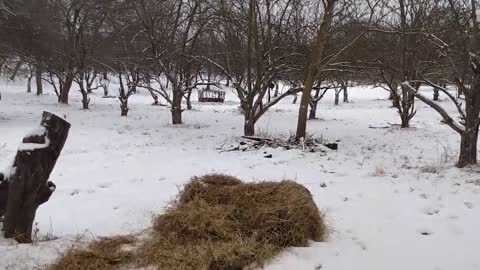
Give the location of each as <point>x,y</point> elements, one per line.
<point>217,222</point>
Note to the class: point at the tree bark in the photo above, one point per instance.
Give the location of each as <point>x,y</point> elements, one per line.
<point>38,79</point>
<point>123,106</point>
<point>313,110</point>
<point>337,97</point>
<point>405,120</point>
<point>29,84</point>
<point>436,94</point>
<point>345,95</point>
<point>154,96</point>
<point>105,90</point>
<point>85,98</point>
<point>313,67</point>
<point>295,98</point>
<point>65,89</point>
<point>177,108</point>
<point>468,149</point>
<point>189,99</point>
<point>28,186</point>
<point>176,115</point>
<point>3,195</point>
<point>85,101</point>
<point>249,128</point>
<point>16,69</point>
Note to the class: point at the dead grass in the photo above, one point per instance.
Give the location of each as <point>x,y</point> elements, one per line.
<point>433,169</point>
<point>217,222</point>
<point>104,253</point>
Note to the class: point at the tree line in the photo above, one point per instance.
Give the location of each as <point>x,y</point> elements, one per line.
<point>171,47</point>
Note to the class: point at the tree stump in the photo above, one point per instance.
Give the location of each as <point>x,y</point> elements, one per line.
<point>27,186</point>
<point>3,195</point>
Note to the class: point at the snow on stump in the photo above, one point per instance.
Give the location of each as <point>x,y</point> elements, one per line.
<point>26,186</point>
<point>219,222</point>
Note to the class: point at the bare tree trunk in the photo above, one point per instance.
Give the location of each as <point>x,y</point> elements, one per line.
<point>436,94</point>
<point>123,96</point>
<point>295,98</point>
<point>276,90</point>
<point>123,106</point>
<point>269,95</point>
<point>345,95</point>
<point>84,92</point>
<point>38,79</point>
<point>313,67</point>
<point>154,96</point>
<point>3,195</point>
<point>313,110</point>
<point>249,127</point>
<point>17,67</point>
<point>105,90</point>
<point>85,101</point>
<point>177,108</point>
<point>189,99</point>
<point>468,148</point>
<point>395,100</point>
<point>29,187</point>
<point>405,120</point>
<point>337,97</point>
<point>65,89</point>
<point>29,83</point>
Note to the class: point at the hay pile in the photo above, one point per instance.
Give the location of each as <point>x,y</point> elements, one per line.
<point>217,222</point>
<point>104,253</point>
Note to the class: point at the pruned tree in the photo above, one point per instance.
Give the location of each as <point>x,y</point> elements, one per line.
<point>399,52</point>
<point>29,26</point>
<point>89,36</point>
<point>169,31</point>
<point>256,51</point>
<point>468,82</point>
<point>319,92</point>
<point>361,14</point>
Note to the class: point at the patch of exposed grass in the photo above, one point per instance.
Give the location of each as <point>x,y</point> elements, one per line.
<point>104,253</point>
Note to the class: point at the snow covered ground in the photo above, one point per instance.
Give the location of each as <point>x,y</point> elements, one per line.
<point>393,198</point>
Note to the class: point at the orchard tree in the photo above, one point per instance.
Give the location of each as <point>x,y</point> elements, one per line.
<point>464,15</point>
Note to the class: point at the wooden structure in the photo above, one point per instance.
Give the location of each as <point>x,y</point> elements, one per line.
<point>211,96</point>
<point>27,185</point>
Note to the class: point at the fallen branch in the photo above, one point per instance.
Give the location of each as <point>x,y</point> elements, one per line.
<point>309,144</point>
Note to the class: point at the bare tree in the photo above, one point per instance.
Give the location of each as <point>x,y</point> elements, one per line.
<point>170,31</point>
<point>399,50</point>
<point>323,60</point>
<point>468,82</point>
<point>257,51</point>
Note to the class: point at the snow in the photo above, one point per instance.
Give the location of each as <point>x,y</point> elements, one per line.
<point>392,198</point>
<point>9,172</point>
<point>38,131</point>
<point>33,146</point>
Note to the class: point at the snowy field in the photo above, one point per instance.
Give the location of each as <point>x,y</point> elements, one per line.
<point>392,197</point>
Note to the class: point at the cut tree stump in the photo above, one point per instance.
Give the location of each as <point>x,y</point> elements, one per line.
<point>28,185</point>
